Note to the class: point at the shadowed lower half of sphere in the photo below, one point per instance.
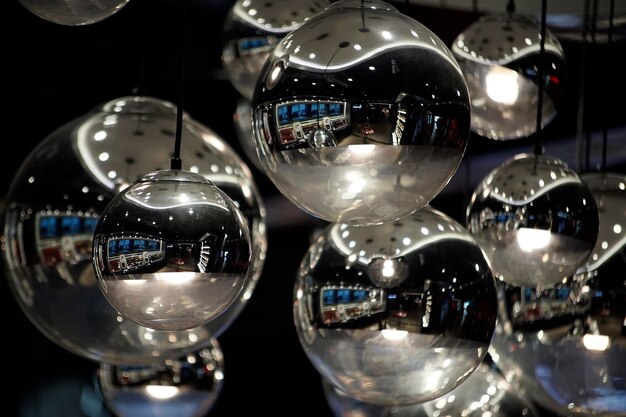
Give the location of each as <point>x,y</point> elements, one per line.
<point>356,105</point>
<point>172,251</point>
<point>535,219</point>
<point>73,12</point>
<point>398,313</point>
<point>187,386</point>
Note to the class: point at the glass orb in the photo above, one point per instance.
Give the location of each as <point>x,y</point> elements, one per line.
<point>185,387</point>
<point>535,219</point>
<point>564,347</point>
<point>609,192</point>
<point>53,205</point>
<point>73,12</point>
<point>252,29</point>
<point>171,252</point>
<point>365,124</point>
<point>499,55</point>
<point>410,337</point>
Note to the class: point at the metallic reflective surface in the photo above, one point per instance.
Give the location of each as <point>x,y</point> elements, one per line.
<point>564,347</point>
<point>361,114</point>
<point>407,338</point>
<point>252,29</point>
<point>185,387</point>
<point>485,393</point>
<point>499,55</point>
<point>609,191</point>
<point>535,219</point>
<point>54,204</point>
<point>73,12</point>
<point>172,251</point>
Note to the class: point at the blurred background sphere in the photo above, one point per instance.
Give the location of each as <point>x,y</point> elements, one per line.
<point>535,219</point>
<point>361,114</point>
<point>564,346</point>
<point>73,12</point>
<point>54,203</point>
<point>171,251</point>
<point>500,56</point>
<point>398,313</point>
<point>242,121</point>
<point>251,30</point>
<point>187,386</point>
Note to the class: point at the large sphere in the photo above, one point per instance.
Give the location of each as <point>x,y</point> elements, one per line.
<point>361,114</point>
<point>609,192</point>
<point>252,29</point>
<point>187,386</point>
<point>535,219</point>
<point>53,206</point>
<point>172,251</point>
<point>499,55</point>
<point>397,313</point>
<point>565,347</point>
<point>73,12</point>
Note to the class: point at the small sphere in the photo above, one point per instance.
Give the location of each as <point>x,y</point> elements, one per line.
<point>398,313</point>
<point>361,115</point>
<point>535,219</point>
<point>172,251</point>
<point>252,29</point>
<point>187,386</point>
<point>73,12</point>
<point>499,55</point>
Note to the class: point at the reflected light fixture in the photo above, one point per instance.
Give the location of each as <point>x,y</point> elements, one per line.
<point>252,28</point>
<point>188,386</point>
<point>73,12</point>
<point>499,55</point>
<point>398,313</point>
<point>361,114</point>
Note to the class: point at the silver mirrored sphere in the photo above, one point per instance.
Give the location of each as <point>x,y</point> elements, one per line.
<point>187,386</point>
<point>403,330</point>
<point>252,29</point>
<point>242,121</point>
<point>609,191</point>
<point>172,251</point>
<point>564,347</point>
<point>500,56</point>
<point>73,12</point>
<point>535,219</point>
<point>56,198</point>
<point>361,114</point>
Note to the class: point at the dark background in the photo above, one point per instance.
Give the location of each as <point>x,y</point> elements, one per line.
<point>51,74</point>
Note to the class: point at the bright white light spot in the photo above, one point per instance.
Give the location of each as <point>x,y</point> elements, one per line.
<point>406,241</point>
<point>161,392</point>
<point>386,34</point>
<point>532,239</point>
<point>312,55</point>
<point>357,47</point>
<point>617,229</point>
<point>183,197</point>
<point>104,156</point>
<point>252,12</point>
<point>502,85</point>
<point>112,174</point>
<point>388,268</point>
<point>596,342</point>
<point>100,135</point>
<point>528,41</point>
<point>372,68</point>
<point>393,334</point>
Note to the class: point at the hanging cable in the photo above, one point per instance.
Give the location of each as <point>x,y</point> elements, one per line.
<point>510,6</point>
<point>175,162</point>
<point>588,130</point>
<point>582,90</point>
<point>609,51</point>
<point>538,150</point>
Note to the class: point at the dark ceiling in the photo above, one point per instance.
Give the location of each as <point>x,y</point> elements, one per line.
<point>52,74</point>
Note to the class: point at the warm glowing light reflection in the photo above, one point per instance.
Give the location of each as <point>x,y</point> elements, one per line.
<point>532,239</point>
<point>502,85</point>
<point>596,342</point>
<point>161,392</point>
<point>393,334</point>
